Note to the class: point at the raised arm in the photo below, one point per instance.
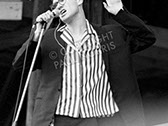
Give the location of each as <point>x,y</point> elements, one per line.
<point>140,35</point>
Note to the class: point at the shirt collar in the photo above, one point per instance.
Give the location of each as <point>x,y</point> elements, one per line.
<point>88,26</point>
<point>62,28</point>
<point>66,36</point>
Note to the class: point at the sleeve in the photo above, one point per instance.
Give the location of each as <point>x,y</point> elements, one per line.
<point>140,36</point>
<point>27,50</point>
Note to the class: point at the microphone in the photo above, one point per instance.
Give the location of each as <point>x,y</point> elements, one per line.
<point>44,22</point>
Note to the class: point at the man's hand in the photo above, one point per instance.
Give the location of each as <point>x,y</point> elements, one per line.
<point>46,17</point>
<point>113,6</point>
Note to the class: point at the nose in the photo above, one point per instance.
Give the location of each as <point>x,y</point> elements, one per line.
<point>59,6</point>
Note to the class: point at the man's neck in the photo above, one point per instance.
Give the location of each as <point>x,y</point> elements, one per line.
<point>77,26</point>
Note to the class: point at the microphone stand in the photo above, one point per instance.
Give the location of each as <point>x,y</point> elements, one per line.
<point>14,123</point>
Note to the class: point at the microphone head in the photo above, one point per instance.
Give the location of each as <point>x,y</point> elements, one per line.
<point>55,13</point>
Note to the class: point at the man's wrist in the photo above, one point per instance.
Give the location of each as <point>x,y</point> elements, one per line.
<point>119,9</point>
<point>36,36</point>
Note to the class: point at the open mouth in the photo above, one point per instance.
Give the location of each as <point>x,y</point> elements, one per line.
<point>62,12</point>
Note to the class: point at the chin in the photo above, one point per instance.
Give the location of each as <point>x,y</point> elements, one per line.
<point>65,20</point>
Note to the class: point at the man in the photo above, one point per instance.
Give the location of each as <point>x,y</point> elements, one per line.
<point>84,66</point>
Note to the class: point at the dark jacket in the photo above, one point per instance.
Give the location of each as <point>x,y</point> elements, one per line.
<point>118,41</point>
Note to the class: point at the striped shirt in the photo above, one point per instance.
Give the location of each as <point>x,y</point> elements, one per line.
<point>85,87</point>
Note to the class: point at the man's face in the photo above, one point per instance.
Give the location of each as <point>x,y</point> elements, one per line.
<point>67,9</point>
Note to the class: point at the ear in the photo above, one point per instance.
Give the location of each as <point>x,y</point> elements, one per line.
<point>80,2</point>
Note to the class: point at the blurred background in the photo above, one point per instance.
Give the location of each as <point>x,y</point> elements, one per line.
<point>151,65</point>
